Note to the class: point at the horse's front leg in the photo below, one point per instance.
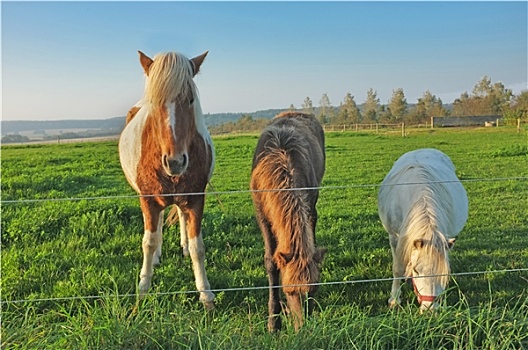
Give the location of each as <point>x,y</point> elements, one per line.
<point>295,306</point>
<point>397,273</point>
<point>193,217</point>
<point>153,222</point>
<point>274,305</point>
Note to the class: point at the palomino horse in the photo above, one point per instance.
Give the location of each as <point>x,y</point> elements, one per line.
<point>290,154</point>
<point>423,206</point>
<point>166,150</point>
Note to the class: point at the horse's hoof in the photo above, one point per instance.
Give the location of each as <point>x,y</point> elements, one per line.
<point>209,306</point>
<point>274,324</point>
<point>185,251</point>
<point>144,286</point>
<point>393,303</point>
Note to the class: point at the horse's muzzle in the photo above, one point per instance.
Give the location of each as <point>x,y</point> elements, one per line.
<point>175,166</point>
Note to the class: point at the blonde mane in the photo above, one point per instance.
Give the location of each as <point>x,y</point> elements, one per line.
<point>426,221</point>
<point>169,77</point>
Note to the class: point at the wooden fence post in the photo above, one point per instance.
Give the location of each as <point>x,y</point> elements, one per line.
<point>432,122</point>
<point>518,125</point>
<point>403,129</point>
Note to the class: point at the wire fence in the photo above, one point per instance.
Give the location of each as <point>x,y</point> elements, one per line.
<point>254,288</point>
<point>230,192</point>
<point>238,289</point>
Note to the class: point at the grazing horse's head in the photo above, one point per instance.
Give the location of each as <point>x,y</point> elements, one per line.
<point>428,270</point>
<point>172,101</point>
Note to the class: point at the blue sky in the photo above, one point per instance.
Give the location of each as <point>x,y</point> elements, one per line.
<point>78,60</point>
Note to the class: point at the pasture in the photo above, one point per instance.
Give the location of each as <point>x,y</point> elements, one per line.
<point>70,260</point>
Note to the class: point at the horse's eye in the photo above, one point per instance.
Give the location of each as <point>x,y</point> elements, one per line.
<point>191,101</point>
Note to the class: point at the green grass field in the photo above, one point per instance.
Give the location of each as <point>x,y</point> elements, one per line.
<point>56,252</point>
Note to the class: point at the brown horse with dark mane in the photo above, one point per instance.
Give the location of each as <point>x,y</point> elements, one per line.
<point>288,167</point>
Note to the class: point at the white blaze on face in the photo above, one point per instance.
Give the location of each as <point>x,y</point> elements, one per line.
<point>171,109</point>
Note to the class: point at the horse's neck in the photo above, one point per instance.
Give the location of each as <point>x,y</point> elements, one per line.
<point>201,127</point>
<point>426,216</point>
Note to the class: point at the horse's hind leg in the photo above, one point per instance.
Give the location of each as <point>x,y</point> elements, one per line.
<point>157,255</point>
<point>197,253</point>
<point>151,242</point>
<point>184,243</point>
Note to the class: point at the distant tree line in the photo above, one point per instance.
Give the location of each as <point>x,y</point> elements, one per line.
<point>487,98</point>
<point>246,123</point>
<point>17,138</point>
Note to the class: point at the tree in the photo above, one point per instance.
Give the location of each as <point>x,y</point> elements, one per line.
<point>291,108</point>
<point>245,122</point>
<point>465,106</point>
<point>518,108</point>
<point>349,111</point>
<point>433,105</point>
<point>427,106</point>
<point>325,115</point>
<point>487,99</point>
<point>307,106</point>
<point>397,106</point>
<point>371,108</point>
<point>418,114</point>
<point>14,138</point>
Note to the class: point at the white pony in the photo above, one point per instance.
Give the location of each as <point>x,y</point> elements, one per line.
<point>423,206</point>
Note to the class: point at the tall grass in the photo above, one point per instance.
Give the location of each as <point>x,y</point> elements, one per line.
<point>113,322</point>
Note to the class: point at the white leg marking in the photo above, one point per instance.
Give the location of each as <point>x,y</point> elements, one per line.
<point>151,241</point>
<point>183,233</point>
<point>157,254</point>
<point>197,251</point>
<point>394,300</point>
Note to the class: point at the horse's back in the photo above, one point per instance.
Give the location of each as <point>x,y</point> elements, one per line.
<point>295,131</point>
<point>288,155</point>
<point>420,170</point>
<point>309,121</point>
<point>428,157</point>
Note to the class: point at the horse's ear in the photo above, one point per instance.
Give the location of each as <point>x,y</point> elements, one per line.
<point>451,242</point>
<point>319,254</point>
<point>282,259</point>
<point>197,62</point>
<point>145,61</point>
<point>418,243</point>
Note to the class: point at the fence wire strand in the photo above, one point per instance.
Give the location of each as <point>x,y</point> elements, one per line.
<point>239,289</point>
<point>229,192</point>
